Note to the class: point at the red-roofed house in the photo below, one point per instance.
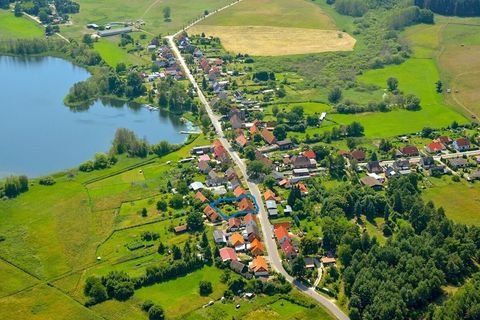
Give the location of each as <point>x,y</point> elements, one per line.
<point>444,139</point>
<point>303,189</point>
<point>228,254</point>
<point>241,140</point>
<point>239,191</point>
<point>461,144</point>
<point>310,154</point>
<point>201,197</point>
<point>288,249</point>
<point>234,224</point>
<point>358,155</point>
<point>250,218</point>
<point>254,128</point>
<point>281,234</point>
<point>259,266</point>
<point>180,229</point>
<point>245,204</point>
<point>269,195</point>
<point>211,214</point>
<point>268,136</point>
<point>256,247</point>
<point>435,147</point>
<point>220,153</point>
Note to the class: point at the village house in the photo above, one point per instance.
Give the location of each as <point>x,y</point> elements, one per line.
<point>461,144</point>
<point>256,248</point>
<point>457,163</point>
<point>288,210</point>
<point>371,182</point>
<point>288,249</point>
<point>259,266</point>
<point>212,214</point>
<point>249,219</point>
<point>180,229</point>
<point>228,254</point>
<point>204,167</point>
<point>195,186</point>
<point>252,232</point>
<point>236,122</point>
<point>303,189</point>
<point>309,262</point>
<point>268,136</point>
<point>444,140</point>
<point>401,164</point>
<point>309,154</point>
<point>434,147</point>
<point>285,144</point>
<point>284,183</point>
<point>199,196</point>
<point>374,167</point>
<point>204,157</point>
<point>272,208</point>
<point>358,155</point>
<point>221,154</point>
<point>437,170</point>
<point>219,236</point>
<point>302,162</point>
<point>301,173</point>
<point>245,205</point>
<point>281,234</point>
<point>238,191</point>
<point>409,151</point>
<point>230,174</point>
<point>238,267</point>
<point>215,179</point>
<point>328,261</point>
<point>427,162</point>
<point>237,241</point>
<point>201,150</point>
<point>474,176</point>
<point>269,195</point>
<point>241,141</point>
<point>234,224</point>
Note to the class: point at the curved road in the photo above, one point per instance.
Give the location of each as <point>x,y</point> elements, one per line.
<point>267,230</point>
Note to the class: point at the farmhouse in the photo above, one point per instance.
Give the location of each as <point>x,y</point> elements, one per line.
<point>259,266</point>
<point>228,254</point>
<point>457,163</point>
<point>302,162</point>
<point>461,144</point>
<point>285,144</point>
<point>374,167</point>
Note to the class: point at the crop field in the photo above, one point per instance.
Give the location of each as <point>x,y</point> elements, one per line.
<point>454,44</point>
<point>460,200</point>
<point>150,11</point>
<point>18,28</point>
<point>264,27</point>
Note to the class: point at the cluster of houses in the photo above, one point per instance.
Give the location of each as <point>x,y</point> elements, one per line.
<point>443,142</point>
<point>164,59</point>
<point>241,246</point>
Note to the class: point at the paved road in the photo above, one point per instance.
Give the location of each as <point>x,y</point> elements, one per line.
<point>270,245</point>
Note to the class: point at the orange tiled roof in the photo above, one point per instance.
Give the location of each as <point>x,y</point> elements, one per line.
<point>259,264</point>
<point>237,239</point>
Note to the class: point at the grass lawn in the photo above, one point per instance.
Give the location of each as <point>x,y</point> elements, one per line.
<point>460,200</point>
<point>150,11</point>
<point>22,27</point>
<point>113,54</point>
<point>44,303</point>
<point>14,280</point>
<point>275,13</point>
<point>180,296</point>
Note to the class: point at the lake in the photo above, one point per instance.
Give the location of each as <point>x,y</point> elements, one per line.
<point>40,135</point>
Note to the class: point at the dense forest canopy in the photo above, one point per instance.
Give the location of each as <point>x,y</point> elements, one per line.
<point>462,8</point>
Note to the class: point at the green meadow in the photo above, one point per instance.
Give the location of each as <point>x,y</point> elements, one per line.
<point>18,28</point>
<point>113,54</point>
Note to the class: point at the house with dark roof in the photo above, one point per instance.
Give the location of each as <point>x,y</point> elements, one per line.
<point>271,208</point>
<point>302,162</point>
<point>237,266</point>
<point>215,179</point>
<point>409,151</point>
<point>461,144</point>
<point>268,136</point>
<point>427,162</point>
<point>219,236</point>
<point>252,232</point>
<point>204,167</point>
<point>374,167</point>
<point>285,144</point>
<point>401,164</point>
<point>230,174</point>
<point>371,182</point>
<point>236,122</point>
<point>437,170</point>
<point>457,163</point>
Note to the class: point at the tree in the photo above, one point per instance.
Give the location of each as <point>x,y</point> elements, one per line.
<point>298,267</point>
<point>335,95</point>
<point>250,153</point>
<point>205,288</point>
<point>392,84</point>
<point>412,102</point>
<point>156,313</point>
<point>4,4</point>
<point>121,67</point>
<point>308,245</point>
<point>161,205</point>
<point>176,252</point>
<point>295,194</point>
<point>161,248</point>
<point>256,168</point>
<point>195,221</point>
<point>167,13</point>
<point>354,129</point>
<point>18,9</point>
<point>87,39</point>
<point>176,202</point>
<point>439,86</point>
<point>280,132</point>
<point>270,182</point>
<point>144,212</point>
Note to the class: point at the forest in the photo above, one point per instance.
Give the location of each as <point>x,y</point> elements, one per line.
<point>461,8</point>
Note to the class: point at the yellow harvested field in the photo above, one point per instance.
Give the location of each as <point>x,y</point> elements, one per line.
<point>277,41</point>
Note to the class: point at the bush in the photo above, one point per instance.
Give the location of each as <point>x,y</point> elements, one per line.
<point>47,181</point>
<point>205,288</point>
<point>156,313</point>
<point>146,305</point>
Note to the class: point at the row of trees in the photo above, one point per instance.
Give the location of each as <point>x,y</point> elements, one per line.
<point>462,8</point>
<point>13,186</point>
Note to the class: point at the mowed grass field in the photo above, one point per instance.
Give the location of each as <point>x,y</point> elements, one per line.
<point>454,44</point>
<point>265,27</point>
<point>150,11</point>
<point>112,54</point>
<point>18,28</point>
<point>461,200</point>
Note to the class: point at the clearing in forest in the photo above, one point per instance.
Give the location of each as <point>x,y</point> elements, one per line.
<point>274,28</point>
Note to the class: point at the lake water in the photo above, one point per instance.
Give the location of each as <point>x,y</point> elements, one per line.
<point>40,135</point>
